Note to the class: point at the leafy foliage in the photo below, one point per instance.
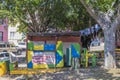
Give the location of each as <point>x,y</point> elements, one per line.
<point>39,15</point>
<point>101,5</point>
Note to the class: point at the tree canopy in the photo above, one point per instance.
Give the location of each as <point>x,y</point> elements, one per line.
<point>39,15</point>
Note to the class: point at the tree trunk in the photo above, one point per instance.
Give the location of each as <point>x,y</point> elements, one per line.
<point>109,48</point>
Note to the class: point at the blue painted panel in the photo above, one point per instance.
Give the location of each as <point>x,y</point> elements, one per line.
<point>49,47</point>
<point>75,53</point>
<point>58,58</point>
<point>30,65</point>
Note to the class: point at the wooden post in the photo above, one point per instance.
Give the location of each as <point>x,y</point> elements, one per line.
<point>27,50</point>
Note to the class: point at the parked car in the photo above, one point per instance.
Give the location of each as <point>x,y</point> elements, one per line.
<point>95,42</point>
<point>5,56</point>
<point>22,45</point>
<point>96,45</point>
<point>9,58</point>
<point>6,46</point>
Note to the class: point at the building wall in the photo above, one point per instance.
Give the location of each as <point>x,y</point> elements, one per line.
<point>13,35</point>
<point>4,30</point>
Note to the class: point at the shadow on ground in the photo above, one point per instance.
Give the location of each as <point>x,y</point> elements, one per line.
<point>78,74</point>
<point>96,73</point>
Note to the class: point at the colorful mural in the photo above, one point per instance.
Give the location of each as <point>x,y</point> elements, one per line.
<point>45,55</point>
<point>41,55</point>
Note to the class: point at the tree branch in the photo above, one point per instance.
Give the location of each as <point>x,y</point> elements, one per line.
<point>32,19</point>
<point>116,22</point>
<point>23,21</point>
<point>90,11</point>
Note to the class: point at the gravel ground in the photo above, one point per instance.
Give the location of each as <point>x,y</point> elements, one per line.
<point>78,74</point>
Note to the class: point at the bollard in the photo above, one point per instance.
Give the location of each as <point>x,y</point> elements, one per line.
<point>93,60</point>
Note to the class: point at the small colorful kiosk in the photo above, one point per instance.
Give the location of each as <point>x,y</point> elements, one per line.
<point>46,50</point>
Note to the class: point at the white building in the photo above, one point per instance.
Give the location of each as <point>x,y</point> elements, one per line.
<point>13,35</point>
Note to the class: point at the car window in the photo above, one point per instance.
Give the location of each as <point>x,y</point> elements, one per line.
<point>7,54</point>
<point>1,55</point>
<point>2,46</point>
<point>21,43</point>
